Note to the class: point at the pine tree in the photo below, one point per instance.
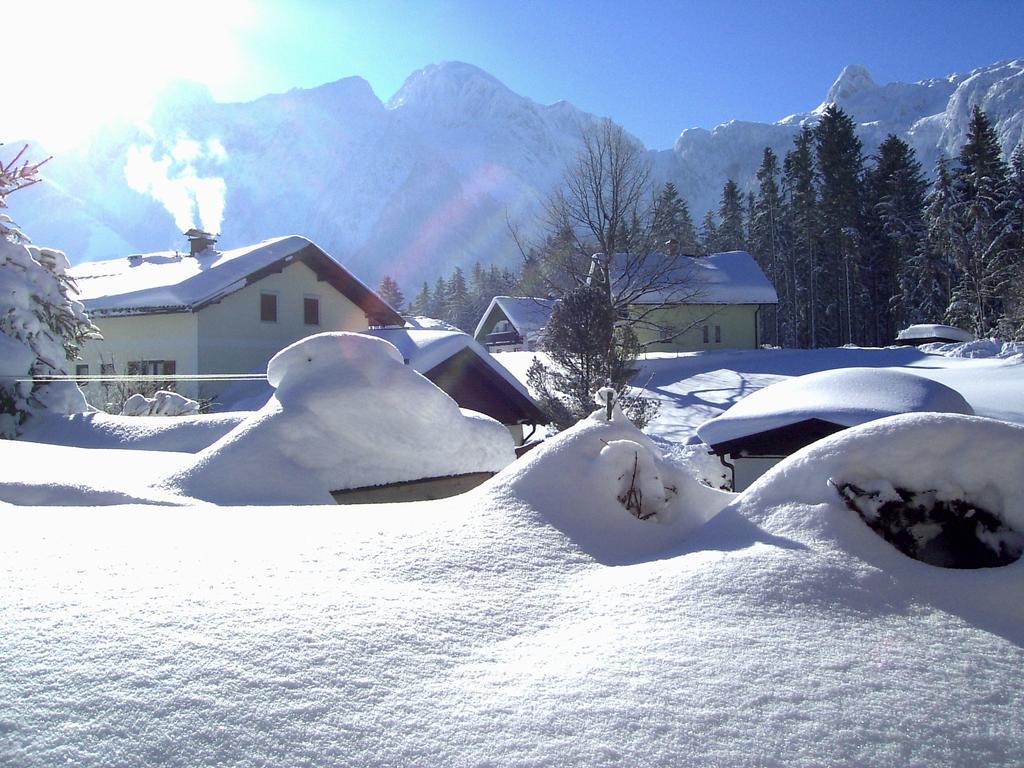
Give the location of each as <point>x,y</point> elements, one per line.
<point>729,236</point>
<point>839,165</point>
<point>943,240</point>
<point>672,220</point>
<point>983,271</point>
<point>802,268</point>
<point>391,293</point>
<point>893,239</point>
<point>439,300</point>
<point>708,233</point>
<point>1012,244</point>
<point>765,242</point>
<point>423,302</point>
<point>458,307</point>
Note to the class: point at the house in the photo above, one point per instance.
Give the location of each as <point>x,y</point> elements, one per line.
<point>206,312</point>
<point>774,422</point>
<point>513,323</point>
<point>700,303</point>
<point>697,303</point>
<point>463,369</point>
<point>917,335</point>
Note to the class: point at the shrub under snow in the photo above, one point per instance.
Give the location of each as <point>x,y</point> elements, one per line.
<point>163,403</point>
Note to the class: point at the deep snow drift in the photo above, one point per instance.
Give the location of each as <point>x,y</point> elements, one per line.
<point>346,413</point>
<point>485,630</point>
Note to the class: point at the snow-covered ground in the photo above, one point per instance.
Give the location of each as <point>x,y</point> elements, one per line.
<point>534,620</point>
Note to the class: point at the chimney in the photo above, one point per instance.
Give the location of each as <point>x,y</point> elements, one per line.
<point>199,241</point>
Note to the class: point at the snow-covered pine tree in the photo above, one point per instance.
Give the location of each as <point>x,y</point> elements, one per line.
<point>391,293</point>
<point>422,303</point>
<point>730,235</point>
<point>672,220</point>
<point>765,243</point>
<point>984,274</point>
<point>893,235</point>
<point>936,262</point>
<point>802,225</point>
<point>708,233</point>
<point>41,326</point>
<point>458,304</point>
<point>840,165</point>
<point>1011,212</point>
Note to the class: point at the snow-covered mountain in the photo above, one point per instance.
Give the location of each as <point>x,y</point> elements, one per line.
<point>932,116</point>
<point>428,180</point>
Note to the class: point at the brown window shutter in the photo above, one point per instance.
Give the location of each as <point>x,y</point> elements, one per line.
<point>268,307</point>
<point>311,310</point>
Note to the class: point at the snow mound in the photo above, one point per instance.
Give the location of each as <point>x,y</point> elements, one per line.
<point>346,413</point>
<point>184,434</point>
<point>163,403</point>
<point>980,348</point>
<point>933,331</point>
<point>847,397</point>
<point>580,481</point>
<point>955,456</point>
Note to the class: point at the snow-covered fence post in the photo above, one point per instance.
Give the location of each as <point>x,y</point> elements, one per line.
<point>606,396</point>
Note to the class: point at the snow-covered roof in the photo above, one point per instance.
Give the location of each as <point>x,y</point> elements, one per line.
<point>931,331</point>
<point>847,397</point>
<point>169,281</point>
<point>732,277</point>
<point>425,349</point>
<point>528,315</point>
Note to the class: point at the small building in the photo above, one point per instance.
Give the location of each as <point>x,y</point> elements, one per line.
<point>774,422</point>
<point>699,303</point>
<point>513,323</point>
<point>918,335</point>
<point>463,369</point>
<point>207,312</point>
<point>704,303</point>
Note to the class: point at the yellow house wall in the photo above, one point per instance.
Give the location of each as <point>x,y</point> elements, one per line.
<point>737,323</point>
<point>233,339</point>
<point>143,337</point>
<point>227,337</point>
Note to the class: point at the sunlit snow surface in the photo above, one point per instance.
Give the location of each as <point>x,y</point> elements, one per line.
<point>492,628</point>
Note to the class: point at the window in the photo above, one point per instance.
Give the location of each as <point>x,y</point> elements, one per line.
<point>81,370</point>
<point>311,310</point>
<point>718,334</point>
<point>706,334</point>
<point>107,369</point>
<point>154,368</point>
<point>268,307</point>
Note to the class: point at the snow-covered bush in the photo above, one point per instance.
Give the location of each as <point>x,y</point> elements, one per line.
<point>42,326</point>
<point>607,486</point>
<point>163,403</point>
<point>947,532</point>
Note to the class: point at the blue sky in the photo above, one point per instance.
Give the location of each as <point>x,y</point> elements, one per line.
<point>655,67</point>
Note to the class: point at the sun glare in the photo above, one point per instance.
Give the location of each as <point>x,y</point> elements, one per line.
<point>84,64</point>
